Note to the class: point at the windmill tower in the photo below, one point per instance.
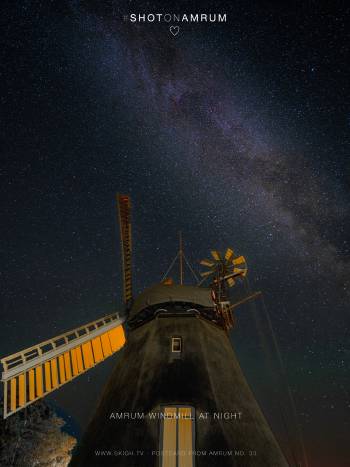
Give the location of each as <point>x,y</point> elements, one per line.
<point>177,396</point>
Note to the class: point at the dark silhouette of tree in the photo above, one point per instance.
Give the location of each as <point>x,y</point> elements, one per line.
<point>33,437</point>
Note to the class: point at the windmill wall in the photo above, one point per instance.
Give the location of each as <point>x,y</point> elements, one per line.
<point>205,375</point>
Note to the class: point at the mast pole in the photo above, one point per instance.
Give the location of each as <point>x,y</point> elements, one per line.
<point>181,259</point>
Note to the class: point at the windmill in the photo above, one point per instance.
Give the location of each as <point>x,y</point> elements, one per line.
<point>176,363</point>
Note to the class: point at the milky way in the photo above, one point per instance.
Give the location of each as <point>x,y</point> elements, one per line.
<point>229,148</point>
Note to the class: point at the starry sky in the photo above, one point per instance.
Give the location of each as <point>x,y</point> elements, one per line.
<point>235,133</point>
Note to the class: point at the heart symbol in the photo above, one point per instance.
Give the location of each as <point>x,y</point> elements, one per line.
<point>174,30</point>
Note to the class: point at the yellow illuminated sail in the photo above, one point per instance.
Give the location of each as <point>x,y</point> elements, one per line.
<point>35,372</point>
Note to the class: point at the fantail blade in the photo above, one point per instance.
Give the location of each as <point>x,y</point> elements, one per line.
<point>206,273</point>
<point>231,282</point>
<point>207,262</point>
<point>242,272</point>
<point>216,255</point>
<point>228,254</point>
<point>239,260</point>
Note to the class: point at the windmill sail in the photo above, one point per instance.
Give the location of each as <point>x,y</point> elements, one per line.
<point>124,208</point>
<point>35,372</point>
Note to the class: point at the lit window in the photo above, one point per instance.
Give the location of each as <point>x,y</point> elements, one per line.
<point>176,344</point>
<point>177,437</point>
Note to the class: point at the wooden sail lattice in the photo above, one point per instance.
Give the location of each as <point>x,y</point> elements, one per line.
<point>38,370</point>
<point>124,212</point>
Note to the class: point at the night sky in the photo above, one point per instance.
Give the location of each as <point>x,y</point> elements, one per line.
<point>236,133</point>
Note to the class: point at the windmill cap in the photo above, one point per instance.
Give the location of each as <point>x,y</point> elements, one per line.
<point>162,293</point>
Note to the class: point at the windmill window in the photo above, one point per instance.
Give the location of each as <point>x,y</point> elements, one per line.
<point>176,344</point>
